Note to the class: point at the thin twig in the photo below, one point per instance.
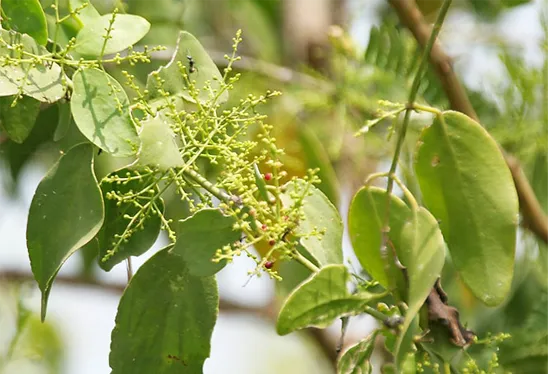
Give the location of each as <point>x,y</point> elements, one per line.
<point>401,135</point>
<point>535,219</point>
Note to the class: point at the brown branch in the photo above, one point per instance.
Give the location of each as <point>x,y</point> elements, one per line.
<point>534,218</point>
<point>269,312</point>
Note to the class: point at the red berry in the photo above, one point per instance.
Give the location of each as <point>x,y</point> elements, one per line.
<point>268,264</point>
<point>267,176</point>
<point>271,242</point>
<point>264,227</point>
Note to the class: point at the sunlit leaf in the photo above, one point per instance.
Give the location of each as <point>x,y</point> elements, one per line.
<point>365,221</point>
<point>320,300</point>
<point>126,30</point>
<point>158,147</point>
<point>165,319</point>
<point>87,14</point>
<point>26,17</point>
<point>319,214</point>
<point>171,75</point>
<point>66,212</point>
<point>200,236</point>
<point>100,108</point>
<point>118,217</point>
<point>422,252</point>
<point>44,82</point>
<point>18,120</point>
<point>356,359</point>
<point>466,184</point>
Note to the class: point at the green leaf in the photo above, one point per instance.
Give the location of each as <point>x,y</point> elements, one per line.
<point>18,120</point>
<point>103,115</point>
<point>422,252</point>
<point>165,319</point>
<point>356,359</point>
<point>317,157</point>
<point>439,342</point>
<point>200,236</point>
<point>86,15</point>
<point>66,212</point>
<point>45,83</point>
<point>26,17</point>
<point>365,221</point>
<point>158,147</point>
<point>17,155</point>
<point>466,184</point>
<point>126,30</point>
<point>64,121</point>
<point>319,213</point>
<point>320,300</point>
<point>115,224</point>
<point>172,77</point>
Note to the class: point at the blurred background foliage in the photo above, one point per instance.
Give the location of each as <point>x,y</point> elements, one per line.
<point>332,80</point>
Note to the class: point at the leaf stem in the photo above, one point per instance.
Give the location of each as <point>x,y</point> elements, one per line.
<point>426,108</point>
<point>305,262</point>
<point>401,135</point>
<point>375,313</point>
<point>408,195</point>
<point>374,176</point>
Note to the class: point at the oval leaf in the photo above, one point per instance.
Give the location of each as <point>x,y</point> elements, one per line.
<point>200,236</point>
<point>319,214</point>
<point>165,319</point>
<point>158,147</point>
<point>116,222</point>
<point>66,212</point>
<point>126,30</point>
<point>422,252</point>
<point>102,115</point>
<point>365,221</point>
<point>18,120</point>
<point>356,359</point>
<point>466,184</point>
<point>26,17</point>
<point>320,300</point>
<point>204,73</point>
<point>45,83</point>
